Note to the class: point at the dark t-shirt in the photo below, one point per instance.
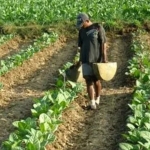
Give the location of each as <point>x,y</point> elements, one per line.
<point>90,41</point>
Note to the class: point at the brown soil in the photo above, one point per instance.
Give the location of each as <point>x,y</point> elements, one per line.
<point>81,129</point>
<point>12,46</point>
<point>100,129</point>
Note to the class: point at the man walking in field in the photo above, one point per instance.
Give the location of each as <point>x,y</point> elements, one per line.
<point>92,45</point>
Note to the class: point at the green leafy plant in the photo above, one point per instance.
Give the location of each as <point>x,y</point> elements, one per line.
<point>42,12</point>
<point>138,123</point>
<point>5,38</point>
<point>35,132</point>
<point>19,58</point>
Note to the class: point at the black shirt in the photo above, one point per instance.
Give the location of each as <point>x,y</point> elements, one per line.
<point>90,41</point>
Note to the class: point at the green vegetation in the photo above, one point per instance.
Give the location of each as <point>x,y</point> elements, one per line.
<point>4,38</point>
<point>18,59</point>
<point>138,123</point>
<point>45,12</point>
<point>35,132</point>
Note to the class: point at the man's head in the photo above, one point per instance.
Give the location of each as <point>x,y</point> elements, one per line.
<point>82,18</point>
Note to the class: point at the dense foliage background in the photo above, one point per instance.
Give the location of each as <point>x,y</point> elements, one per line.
<point>47,11</point>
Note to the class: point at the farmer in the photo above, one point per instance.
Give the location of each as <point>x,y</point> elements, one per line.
<point>92,47</point>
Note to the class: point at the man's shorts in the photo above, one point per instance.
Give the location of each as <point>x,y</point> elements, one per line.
<point>87,70</point>
<point>88,73</point>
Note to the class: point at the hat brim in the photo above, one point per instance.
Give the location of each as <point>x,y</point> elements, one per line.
<point>79,24</point>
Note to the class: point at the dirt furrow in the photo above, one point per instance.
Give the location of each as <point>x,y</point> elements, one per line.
<point>13,46</point>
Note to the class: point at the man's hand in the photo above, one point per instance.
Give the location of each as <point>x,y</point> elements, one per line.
<point>104,61</point>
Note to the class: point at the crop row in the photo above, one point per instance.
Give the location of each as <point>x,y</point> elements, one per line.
<point>24,54</point>
<point>138,122</point>
<point>4,38</point>
<point>48,11</point>
<point>37,131</point>
<point>17,59</point>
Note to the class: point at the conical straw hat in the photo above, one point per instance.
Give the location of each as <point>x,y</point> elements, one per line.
<point>105,71</point>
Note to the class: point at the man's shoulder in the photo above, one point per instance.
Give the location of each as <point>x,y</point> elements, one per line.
<point>99,26</point>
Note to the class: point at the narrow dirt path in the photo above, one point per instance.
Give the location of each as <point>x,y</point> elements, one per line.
<point>100,129</point>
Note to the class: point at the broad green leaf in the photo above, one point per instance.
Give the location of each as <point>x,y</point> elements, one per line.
<point>37,105</point>
<point>130,126</point>
<point>64,104</point>
<point>126,146</point>
<point>138,83</point>
<point>145,145</point>
<point>145,135</point>
<point>147,114</point>
<point>44,127</point>
<point>35,137</point>
<point>34,112</point>
<point>72,84</point>
<point>146,78</point>
<point>13,137</point>
<point>59,83</point>
<point>60,97</point>
<point>50,138</point>
<point>132,119</point>
<point>44,118</point>
<point>31,146</point>
<point>138,113</point>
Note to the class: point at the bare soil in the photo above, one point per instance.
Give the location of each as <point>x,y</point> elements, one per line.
<point>100,129</point>
<point>12,46</point>
<point>81,129</point>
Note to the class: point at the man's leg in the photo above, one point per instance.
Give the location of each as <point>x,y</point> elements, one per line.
<point>88,76</point>
<point>90,91</point>
<point>98,87</point>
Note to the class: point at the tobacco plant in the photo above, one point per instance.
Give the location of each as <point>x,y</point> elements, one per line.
<point>24,54</point>
<point>138,123</point>
<point>35,132</point>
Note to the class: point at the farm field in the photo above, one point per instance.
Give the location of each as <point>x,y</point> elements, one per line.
<point>36,75</point>
<point>33,49</point>
<point>81,129</point>
<point>100,129</point>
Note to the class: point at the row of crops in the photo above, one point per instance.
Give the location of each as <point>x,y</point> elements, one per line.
<point>37,131</point>
<point>24,54</point>
<point>138,123</point>
<point>43,12</point>
<point>17,59</point>
<point>5,38</point>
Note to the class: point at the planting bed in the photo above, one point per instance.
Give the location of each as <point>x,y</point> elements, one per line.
<point>12,46</point>
<point>81,129</point>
